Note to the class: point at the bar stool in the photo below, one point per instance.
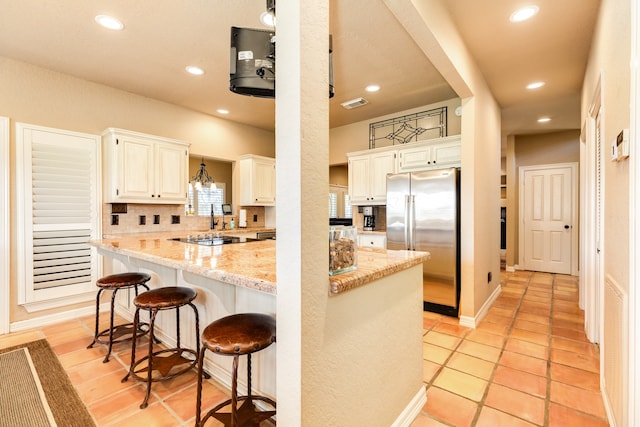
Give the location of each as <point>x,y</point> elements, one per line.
<point>166,298</point>
<point>123,332</point>
<point>237,335</point>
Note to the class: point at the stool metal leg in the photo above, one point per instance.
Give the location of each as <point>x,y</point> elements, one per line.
<point>95,336</point>
<point>136,316</point>
<point>113,301</point>
<point>234,392</point>
<point>152,322</point>
<point>199,389</point>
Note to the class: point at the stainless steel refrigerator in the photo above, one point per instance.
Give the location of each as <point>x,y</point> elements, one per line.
<point>423,214</point>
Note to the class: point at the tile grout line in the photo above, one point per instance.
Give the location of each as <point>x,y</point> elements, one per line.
<point>547,400</point>
<point>481,404</point>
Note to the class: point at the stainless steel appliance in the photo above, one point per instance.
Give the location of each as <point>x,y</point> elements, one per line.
<point>369,218</point>
<point>423,214</point>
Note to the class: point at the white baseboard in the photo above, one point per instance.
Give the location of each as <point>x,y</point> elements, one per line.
<point>510,268</point>
<point>472,322</point>
<point>412,410</point>
<point>49,319</point>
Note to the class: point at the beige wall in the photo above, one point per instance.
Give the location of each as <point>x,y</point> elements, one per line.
<point>355,137</point>
<point>530,150</point>
<point>609,66</point>
<point>42,97</point>
<point>339,175</point>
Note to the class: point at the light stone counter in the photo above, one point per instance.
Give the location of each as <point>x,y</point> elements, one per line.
<point>251,265</point>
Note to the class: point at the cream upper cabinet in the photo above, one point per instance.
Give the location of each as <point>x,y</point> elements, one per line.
<point>430,155</point>
<point>140,168</point>
<point>257,180</point>
<point>368,177</point>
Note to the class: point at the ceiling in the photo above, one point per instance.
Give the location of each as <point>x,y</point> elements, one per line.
<point>162,37</point>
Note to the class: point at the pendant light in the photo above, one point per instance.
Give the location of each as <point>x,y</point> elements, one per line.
<point>202,178</point>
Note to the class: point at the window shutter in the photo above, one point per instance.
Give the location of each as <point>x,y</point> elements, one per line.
<point>59,187</point>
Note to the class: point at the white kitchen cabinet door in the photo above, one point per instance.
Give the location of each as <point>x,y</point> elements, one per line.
<point>431,155</point>
<point>368,177</point>
<point>359,179</point>
<point>257,181</point>
<point>447,154</point>
<point>382,164</point>
<point>143,168</point>
<point>171,169</point>
<point>136,171</point>
<point>372,241</point>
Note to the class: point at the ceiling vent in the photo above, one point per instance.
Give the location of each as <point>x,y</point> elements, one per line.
<point>354,103</point>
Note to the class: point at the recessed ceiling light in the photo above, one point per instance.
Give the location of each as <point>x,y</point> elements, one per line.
<point>544,119</point>
<point>524,13</point>
<point>535,85</point>
<point>109,22</point>
<point>372,88</point>
<point>196,71</point>
<point>222,111</point>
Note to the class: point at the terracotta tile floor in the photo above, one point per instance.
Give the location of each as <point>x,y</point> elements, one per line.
<point>111,402</point>
<point>528,363</point>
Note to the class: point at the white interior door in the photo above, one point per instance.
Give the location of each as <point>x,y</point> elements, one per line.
<point>547,205</point>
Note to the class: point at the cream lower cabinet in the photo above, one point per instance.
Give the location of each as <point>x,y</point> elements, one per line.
<point>257,180</point>
<point>372,241</point>
<point>142,168</point>
<point>368,177</point>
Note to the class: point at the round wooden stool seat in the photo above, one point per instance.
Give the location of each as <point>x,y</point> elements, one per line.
<point>166,363</point>
<point>240,333</point>
<point>237,335</point>
<point>164,298</point>
<point>122,280</point>
<point>123,332</point>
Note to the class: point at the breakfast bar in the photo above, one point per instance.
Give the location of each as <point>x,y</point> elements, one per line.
<point>241,277</point>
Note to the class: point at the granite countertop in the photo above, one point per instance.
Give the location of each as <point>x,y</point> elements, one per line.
<point>251,265</point>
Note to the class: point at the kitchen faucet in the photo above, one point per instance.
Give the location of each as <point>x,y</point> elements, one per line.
<point>213,222</point>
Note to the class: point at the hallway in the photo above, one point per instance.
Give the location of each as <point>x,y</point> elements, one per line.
<point>528,363</point>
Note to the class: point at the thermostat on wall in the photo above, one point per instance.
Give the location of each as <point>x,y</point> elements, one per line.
<point>622,142</point>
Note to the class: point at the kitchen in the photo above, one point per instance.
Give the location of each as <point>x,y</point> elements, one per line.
<point>91,108</point>
<point>154,118</point>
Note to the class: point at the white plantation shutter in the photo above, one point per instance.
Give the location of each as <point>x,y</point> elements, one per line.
<point>60,210</point>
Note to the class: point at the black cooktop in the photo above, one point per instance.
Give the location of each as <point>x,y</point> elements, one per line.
<point>214,241</point>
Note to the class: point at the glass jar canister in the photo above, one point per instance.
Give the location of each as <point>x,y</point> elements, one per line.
<point>343,249</point>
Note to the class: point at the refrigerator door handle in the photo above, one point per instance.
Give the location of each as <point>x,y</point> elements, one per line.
<point>412,222</point>
<point>407,219</point>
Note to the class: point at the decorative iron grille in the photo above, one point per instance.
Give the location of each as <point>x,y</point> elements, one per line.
<point>409,128</point>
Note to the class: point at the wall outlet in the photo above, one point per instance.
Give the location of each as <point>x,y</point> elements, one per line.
<point>120,208</point>
<point>489,277</point>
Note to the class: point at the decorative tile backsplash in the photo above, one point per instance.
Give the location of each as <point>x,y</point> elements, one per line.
<point>155,218</point>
